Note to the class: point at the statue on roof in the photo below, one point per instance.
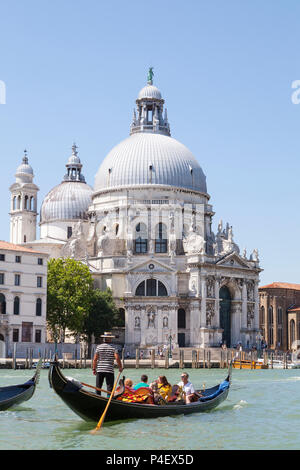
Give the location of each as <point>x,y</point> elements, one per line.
<point>150,75</point>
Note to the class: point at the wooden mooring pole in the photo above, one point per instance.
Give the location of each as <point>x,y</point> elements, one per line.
<point>137,358</point>
<point>167,359</point>
<point>152,358</point>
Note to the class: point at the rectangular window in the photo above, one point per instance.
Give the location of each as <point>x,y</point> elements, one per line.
<point>2,257</point>
<point>39,281</point>
<point>27,332</point>
<point>38,336</point>
<point>1,278</point>
<point>141,245</point>
<point>40,261</point>
<point>15,336</point>
<point>161,246</point>
<point>18,259</point>
<point>17,279</point>
<point>69,234</point>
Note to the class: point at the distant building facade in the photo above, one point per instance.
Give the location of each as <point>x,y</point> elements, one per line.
<point>23,295</point>
<point>279,317</point>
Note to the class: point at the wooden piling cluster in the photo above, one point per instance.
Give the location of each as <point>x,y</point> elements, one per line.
<point>182,358</point>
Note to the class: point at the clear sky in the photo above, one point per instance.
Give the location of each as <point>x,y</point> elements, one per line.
<point>73,69</point>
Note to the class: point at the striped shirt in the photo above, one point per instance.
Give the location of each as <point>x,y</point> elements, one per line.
<point>106,358</point>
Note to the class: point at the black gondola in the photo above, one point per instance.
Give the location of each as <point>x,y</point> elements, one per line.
<point>90,406</point>
<point>16,394</point>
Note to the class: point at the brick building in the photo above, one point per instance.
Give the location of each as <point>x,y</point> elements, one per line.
<point>279,314</point>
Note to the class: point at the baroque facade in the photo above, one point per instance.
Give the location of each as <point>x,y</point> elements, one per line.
<point>145,231</point>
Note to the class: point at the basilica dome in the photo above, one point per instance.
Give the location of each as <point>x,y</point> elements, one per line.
<point>150,156</point>
<point>150,159</point>
<point>71,198</point>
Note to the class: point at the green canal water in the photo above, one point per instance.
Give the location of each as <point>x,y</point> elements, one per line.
<point>262,411</point>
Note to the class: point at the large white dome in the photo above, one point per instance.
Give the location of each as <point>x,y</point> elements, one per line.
<point>150,159</point>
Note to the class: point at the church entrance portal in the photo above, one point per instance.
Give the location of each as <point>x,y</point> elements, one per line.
<point>225,320</point>
<point>181,340</point>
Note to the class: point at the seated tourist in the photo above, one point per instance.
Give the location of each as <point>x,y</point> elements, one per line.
<point>156,396</point>
<point>142,383</point>
<point>188,388</point>
<point>164,388</point>
<point>128,384</point>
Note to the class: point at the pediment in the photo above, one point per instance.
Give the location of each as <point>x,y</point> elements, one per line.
<point>233,260</point>
<point>151,265</point>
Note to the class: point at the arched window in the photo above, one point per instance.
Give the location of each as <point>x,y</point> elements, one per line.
<point>2,304</point>
<point>292,332</point>
<point>141,238</point>
<point>151,288</point>
<point>161,290</point>
<point>270,315</point>
<point>161,239</point>
<point>17,306</point>
<point>181,318</point>
<point>19,202</point>
<point>140,289</point>
<point>14,203</point>
<point>26,203</point>
<point>279,316</point>
<point>38,307</point>
<point>31,203</point>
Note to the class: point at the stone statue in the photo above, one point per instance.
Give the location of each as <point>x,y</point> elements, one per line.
<point>220,227</point>
<point>151,319</point>
<point>165,322</point>
<point>137,322</point>
<point>254,256</point>
<point>194,243</point>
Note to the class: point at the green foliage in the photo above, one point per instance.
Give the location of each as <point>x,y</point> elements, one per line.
<point>74,305</point>
<point>69,295</point>
<point>102,315</point>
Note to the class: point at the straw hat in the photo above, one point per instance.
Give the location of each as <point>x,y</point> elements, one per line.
<point>107,334</point>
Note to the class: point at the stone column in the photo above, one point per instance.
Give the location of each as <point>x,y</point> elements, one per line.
<point>203,303</point>
<point>143,325</point>
<point>217,303</point>
<point>195,313</point>
<point>160,330</point>
<point>256,307</point>
<point>244,305</point>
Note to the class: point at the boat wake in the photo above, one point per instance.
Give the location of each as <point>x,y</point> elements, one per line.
<point>241,404</point>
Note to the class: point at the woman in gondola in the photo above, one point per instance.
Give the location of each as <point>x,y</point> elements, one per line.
<point>164,388</point>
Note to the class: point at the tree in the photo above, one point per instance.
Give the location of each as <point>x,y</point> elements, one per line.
<point>102,316</point>
<point>69,296</point>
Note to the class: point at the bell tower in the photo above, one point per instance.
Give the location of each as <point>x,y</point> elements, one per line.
<point>23,204</point>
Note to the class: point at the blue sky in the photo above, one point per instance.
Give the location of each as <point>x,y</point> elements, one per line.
<point>73,69</point>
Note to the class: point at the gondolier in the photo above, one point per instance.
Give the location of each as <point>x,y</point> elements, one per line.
<point>103,363</point>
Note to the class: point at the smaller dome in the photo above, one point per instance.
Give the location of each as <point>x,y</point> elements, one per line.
<point>68,200</point>
<point>73,159</point>
<point>25,168</point>
<point>151,92</point>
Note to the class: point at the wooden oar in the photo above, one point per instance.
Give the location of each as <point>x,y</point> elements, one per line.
<point>106,408</point>
<point>96,388</point>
